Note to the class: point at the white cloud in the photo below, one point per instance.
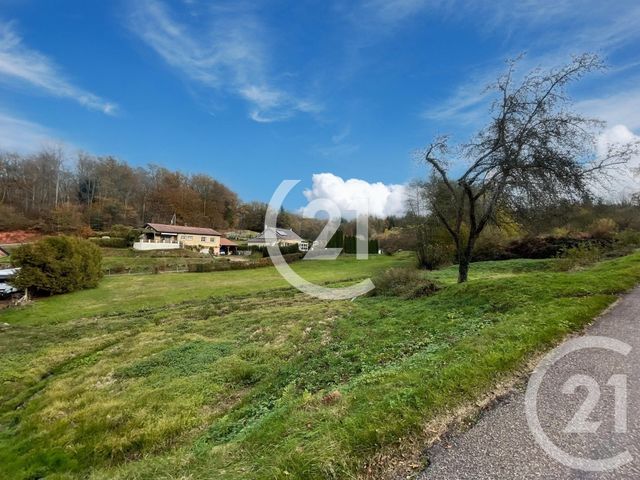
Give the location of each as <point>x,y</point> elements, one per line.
<point>354,195</point>
<point>619,108</point>
<point>22,136</point>
<point>621,113</point>
<point>228,54</point>
<point>21,64</point>
<point>623,181</point>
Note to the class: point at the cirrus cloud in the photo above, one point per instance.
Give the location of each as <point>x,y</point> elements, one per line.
<point>226,50</point>
<point>19,63</point>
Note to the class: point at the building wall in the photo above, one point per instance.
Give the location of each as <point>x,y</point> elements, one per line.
<point>212,242</point>
<point>155,246</point>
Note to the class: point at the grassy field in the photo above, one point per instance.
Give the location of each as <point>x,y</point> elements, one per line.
<point>126,260</point>
<point>233,375</point>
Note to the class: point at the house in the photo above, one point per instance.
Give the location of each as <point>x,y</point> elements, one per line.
<point>158,236</point>
<point>283,237</point>
<point>3,252</point>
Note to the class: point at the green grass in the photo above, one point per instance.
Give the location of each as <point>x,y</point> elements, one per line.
<point>226,375</point>
<point>127,260</point>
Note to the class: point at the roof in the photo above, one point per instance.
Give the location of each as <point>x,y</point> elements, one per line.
<point>8,273</point>
<point>225,242</point>
<point>162,228</point>
<point>280,233</point>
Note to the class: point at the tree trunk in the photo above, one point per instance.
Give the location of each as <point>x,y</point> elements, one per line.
<point>464,259</point>
<point>463,269</point>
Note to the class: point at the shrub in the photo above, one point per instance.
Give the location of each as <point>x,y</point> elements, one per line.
<point>604,228</point>
<point>220,265</point>
<point>111,242</point>
<point>396,240</point>
<point>434,255</point>
<point>493,244</point>
<point>628,238</point>
<point>434,246</point>
<point>403,282</point>
<point>12,220</point>
<point>58,265</point>
<point>285,249</point>
<point>541,247</point>
<point>580,256</point>
<point>551,247</point>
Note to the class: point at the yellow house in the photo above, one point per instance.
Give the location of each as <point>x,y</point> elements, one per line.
<point>159,236</point>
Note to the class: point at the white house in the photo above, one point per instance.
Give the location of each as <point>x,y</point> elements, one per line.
<point>278,236</point>
<point>159,236</point>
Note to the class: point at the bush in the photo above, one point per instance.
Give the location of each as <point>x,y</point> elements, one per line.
<point>604,228</point>
<point>58,265</point>
<point>284,250</point>
<point>403,282</point>
<point>434,255</point>
<point>580,256</point>
<point>551,247</point>
<point>111,242</point>
<point>493,244</point>
<point>628,238</point>
<point>541,247</point>
<point>221,265</point>
<point>396,240</point>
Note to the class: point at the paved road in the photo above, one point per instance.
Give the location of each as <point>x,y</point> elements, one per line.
<point>501,446</point>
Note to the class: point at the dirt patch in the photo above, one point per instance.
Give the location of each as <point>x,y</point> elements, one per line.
<point>17,236</point>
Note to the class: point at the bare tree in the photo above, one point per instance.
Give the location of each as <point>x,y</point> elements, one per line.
<point>534,151</point>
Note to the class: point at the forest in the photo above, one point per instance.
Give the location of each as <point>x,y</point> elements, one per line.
<point>45,191</point>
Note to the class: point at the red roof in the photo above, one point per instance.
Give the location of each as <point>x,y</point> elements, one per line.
<point>162,228</point>
<point>225,242</point>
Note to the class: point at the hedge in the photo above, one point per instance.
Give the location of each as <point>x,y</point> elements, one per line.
<point>113,242</point>
<point>219,266</point>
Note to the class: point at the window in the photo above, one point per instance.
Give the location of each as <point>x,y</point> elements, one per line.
<point>203,239</point>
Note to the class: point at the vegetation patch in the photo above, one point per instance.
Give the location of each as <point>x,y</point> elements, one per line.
<point>403,282</point>
<point>253,380</point>
<point>183,360</point>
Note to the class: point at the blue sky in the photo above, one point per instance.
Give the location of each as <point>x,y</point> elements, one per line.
<point>256,92</point>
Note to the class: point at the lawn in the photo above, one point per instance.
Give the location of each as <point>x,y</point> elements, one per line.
<point>127,260</point>
<point>233,375</point>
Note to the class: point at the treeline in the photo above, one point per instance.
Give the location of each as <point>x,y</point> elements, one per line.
<point>53,194</point>
<point>47,192</point>
<point>533,233</point>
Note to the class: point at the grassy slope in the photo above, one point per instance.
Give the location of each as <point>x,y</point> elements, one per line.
<point>130,293</point>
<point>232,386</point>
<point>127,260</point>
